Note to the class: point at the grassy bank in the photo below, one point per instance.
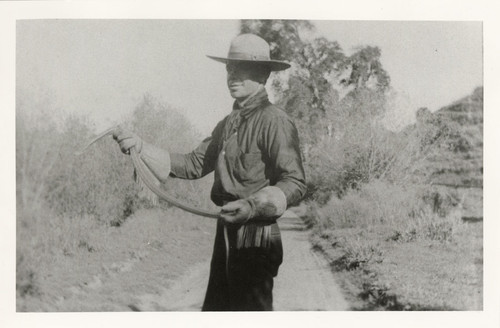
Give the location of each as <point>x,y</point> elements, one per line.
<point>79,265</point>
<point>396,248</point>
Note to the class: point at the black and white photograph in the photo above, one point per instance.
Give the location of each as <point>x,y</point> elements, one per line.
<point>171,165</point>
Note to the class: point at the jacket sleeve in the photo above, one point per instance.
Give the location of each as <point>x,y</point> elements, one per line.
<point>283,151</point>
<point>201,161</point>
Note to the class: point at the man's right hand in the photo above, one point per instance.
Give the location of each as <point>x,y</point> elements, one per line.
<point>237,212</point>
<point>127,140</point>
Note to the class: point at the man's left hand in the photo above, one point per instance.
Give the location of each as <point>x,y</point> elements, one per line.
<point>237,212</point>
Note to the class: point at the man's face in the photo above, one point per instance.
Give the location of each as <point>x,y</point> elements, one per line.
<point>243,79</point>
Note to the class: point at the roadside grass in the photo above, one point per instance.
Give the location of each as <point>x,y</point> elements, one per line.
<point>80,265</point>
<point>397,248</point>
<point>44,239</point>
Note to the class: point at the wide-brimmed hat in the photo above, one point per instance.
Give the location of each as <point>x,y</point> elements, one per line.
<point>251,48</point>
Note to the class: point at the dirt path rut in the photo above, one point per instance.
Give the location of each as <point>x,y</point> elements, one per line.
<point>304,283</point>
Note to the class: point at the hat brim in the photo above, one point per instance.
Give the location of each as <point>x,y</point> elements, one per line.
<point>274,65</point>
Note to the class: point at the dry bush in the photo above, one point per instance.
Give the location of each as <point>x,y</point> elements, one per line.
<point>98,183</point>
<point>409,211</point>
<point>162,126</point>
<point>353,147</point>
<point>347,160</point>
<point>358,252</point>
<point>50,173</point>
<point>360,150</point>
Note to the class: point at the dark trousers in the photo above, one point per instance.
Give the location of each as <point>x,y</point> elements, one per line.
<point>245,282</point>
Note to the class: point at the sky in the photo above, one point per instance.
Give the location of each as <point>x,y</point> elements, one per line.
<point>103,68</point>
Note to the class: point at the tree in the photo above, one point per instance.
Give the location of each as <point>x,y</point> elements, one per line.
<point>321,73</point>
<point>335,99</point>
<point>283,36</point>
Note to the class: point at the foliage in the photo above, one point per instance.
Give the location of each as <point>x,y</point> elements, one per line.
<point>49,172</point>
<point>98,183</point>
<point>162,126</point>
<point>330,95</point>
<point>283,35</point>
<point>411,213</point>
<point>66,203</point>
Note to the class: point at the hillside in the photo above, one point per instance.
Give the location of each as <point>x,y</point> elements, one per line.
<point>451,146</point>
<point>455,134</point>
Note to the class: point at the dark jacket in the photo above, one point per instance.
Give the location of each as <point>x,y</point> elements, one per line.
<point>251,148</point>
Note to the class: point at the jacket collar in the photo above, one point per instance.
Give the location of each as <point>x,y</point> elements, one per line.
<point>252,103</point>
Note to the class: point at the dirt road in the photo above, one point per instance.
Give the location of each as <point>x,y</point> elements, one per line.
<point>142,267</point>
<point>304,283</point>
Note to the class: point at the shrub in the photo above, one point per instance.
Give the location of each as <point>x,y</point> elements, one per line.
<point>48,171</point>
<point>98,183</point>
<point>404,210</point>
<point>162,126</point>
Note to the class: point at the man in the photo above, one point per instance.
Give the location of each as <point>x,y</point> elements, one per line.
<point>255,154</point>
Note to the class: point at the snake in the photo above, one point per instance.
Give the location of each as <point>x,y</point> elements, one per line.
<point>150,180</point>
